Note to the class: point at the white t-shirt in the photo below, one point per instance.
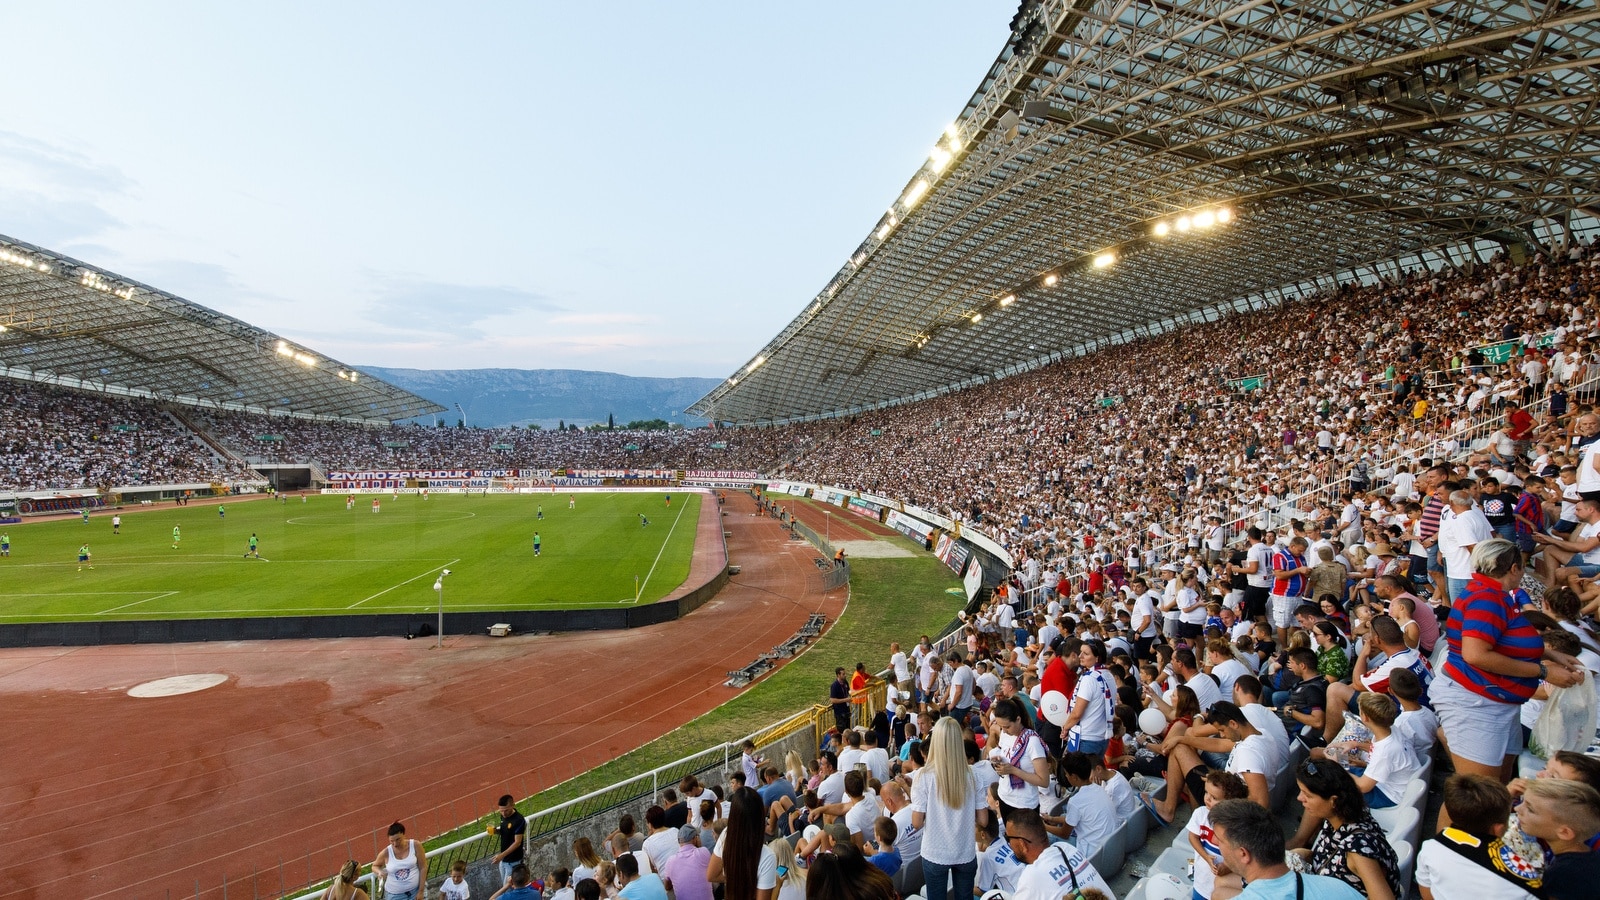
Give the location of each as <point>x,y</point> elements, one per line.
<point>1205,690</point>
<point>877,760</point>
<point>964,680</point>
<point>660,847</point>
<point>850,757</point>
<point>909,841</point>
<point>1456,538</point>
<point>1420,728</point>
<point>1122,795</point>
<point>1392,765</point>
<point>859,818</point>
<point>1146,606</point>
<point>947,831</point>
<point>1447,874</point>
<point>1028,794</point>
<point>983,772</point>
<point>1270,726</point>
<point>1092,816</point>
<point>1262,554</point>
<point>1200,826</point>
<point>1255,754</point>
<point>999,868</point>
<point>1588,478</point>
<point>766,870</point>
<point>1054,873</point>
<point>902,667</point>
<point>831,790</point>
<point>1589,530</point>
<point>1226,673</point>
<point>1187,598</point>
<point>1095,689</point>
<point>449,890</point>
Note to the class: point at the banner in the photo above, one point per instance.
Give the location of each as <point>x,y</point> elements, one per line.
<point>1499,353</point>
<point>1253,383</point>
<point>920,532</point>
<point>1106,402</point>
<point>865,509</point>
<point>955,554</point>
<point>973,578</point>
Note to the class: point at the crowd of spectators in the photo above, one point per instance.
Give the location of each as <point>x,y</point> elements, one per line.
<point>57,439</point>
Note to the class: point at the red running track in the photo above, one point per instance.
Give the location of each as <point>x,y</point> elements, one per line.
<point>310,748</point>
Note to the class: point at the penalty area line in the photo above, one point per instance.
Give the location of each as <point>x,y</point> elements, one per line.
<point>403,583</point>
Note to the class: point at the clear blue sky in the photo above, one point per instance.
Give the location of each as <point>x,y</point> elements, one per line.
<point>645,188</point>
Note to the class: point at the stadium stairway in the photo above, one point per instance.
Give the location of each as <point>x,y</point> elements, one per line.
<point>204,437</point>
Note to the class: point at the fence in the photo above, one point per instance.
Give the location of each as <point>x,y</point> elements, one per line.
<point>603,806</point>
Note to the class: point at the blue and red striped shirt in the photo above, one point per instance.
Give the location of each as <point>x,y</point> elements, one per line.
<point>1282,561</point>
<point>1489,614</point>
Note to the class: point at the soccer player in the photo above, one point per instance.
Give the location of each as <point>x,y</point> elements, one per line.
<point>5,544</point>
<point>669,501</point>
<point>536,543</point>
<point>572,501</point>
<point>643,521</point>
<point>374,505</point>
<point>116,524</point>
<point>83,558</point>
<point>222,511</point>
<point>255,547</point>
<point>539,514</point>
<point>85,512</point>
<point>176,536</point>
<point>350,502</point>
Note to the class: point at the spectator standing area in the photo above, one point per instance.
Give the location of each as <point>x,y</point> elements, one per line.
<point>279,762</point>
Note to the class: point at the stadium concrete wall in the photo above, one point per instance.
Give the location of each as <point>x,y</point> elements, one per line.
<point>179,631</point>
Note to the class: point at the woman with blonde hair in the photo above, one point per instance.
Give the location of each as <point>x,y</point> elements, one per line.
<point>795,768</point>
<point>946,807</point>
<point>344,885</point>
<point>791,878</point>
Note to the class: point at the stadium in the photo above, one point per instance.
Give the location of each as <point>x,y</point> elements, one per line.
<point>1206,339</point>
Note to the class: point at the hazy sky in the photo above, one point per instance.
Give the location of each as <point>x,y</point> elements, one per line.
<point>645,188</point>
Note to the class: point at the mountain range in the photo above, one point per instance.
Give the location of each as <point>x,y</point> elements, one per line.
<point>548,397</point>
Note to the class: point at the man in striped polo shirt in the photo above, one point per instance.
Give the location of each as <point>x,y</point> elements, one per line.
<point>1431,486</point>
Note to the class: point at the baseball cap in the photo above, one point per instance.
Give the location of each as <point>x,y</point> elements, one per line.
<point>687,833</point>
<point>839,831</point>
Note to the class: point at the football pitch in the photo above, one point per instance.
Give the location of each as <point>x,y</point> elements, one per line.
<point>319,558</point>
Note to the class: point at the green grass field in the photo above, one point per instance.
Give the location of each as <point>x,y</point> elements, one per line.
<point>317,558</point>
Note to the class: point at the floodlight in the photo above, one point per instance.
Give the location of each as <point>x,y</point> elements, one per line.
<point>1204,219</point>
<point>1104,259</point>
<point>1182,224</point>
<point>914,195</point>
<point>1224,215</point>
<point>1008,299</point>
<point>939,158</point>
<point>976,318</point>
<point>1161,229</point>
<point>1051,279</point>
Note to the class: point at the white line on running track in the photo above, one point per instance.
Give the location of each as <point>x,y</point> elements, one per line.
<point>646,582</point>
<point>402,584</point>
<point>135,603</point>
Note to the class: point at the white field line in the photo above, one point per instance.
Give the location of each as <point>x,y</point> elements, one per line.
<point>135,603</point>
<point>664,542</point>
<point>402,584</point>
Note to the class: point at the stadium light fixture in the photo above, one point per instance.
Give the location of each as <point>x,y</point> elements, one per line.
<point>1224,215</point>
<point>952,133</point>
<point>284,349</point>
<point>1050,279</point>
<point>754,364</point>
<point>1182,224</point>
<point>976,318</point>
<point>938,158</point>
<point>1104,259</point>
<point>1204,219</point>
<point>1161,229</point>
<point>916,193</point>
<point>1008,299</point>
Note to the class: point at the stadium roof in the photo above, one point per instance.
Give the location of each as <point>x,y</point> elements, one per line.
<point>69,323</point>
<point>1336,135</point>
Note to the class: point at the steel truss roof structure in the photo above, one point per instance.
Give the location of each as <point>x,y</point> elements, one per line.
<point>65,322</point>
<point>1337,133</point>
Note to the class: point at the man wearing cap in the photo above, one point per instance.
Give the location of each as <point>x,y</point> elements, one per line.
<point>685,871</point>
<point>1252,759</point>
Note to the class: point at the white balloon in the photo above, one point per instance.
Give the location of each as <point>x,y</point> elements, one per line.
<point>1152,722</point>
<point>1055,707</point>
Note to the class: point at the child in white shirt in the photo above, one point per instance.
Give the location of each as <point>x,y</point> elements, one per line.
<point>1208,864</point>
